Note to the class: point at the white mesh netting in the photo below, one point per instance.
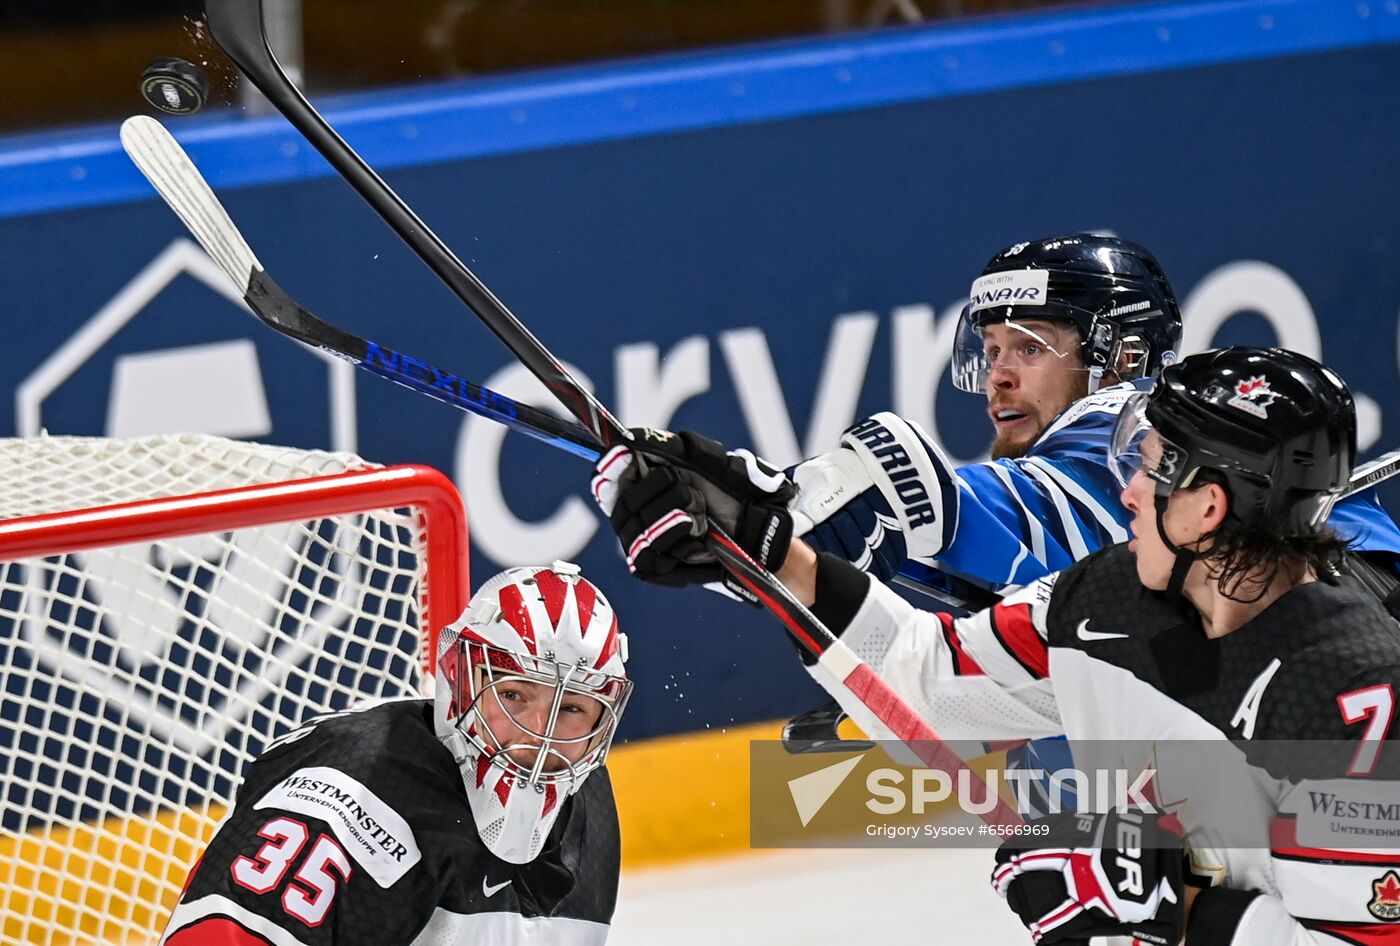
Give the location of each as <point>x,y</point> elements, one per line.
<point>137,681</point>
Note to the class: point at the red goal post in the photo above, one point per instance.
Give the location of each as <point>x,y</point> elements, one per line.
<point>168,606</point>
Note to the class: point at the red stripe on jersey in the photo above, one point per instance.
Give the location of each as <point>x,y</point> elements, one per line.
<point>1283,842</point>
<point>963,665</point>
<point>514,612</point>
<point>1012,626</point>
<point>216,931</point>
<point>1362,934</point>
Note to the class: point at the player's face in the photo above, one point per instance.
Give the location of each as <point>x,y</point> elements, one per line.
<point>1034,372</point>
<point>516,715</point>
<point>1182,519</point>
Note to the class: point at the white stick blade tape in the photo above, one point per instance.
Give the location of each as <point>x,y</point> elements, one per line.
<point>171,172</point>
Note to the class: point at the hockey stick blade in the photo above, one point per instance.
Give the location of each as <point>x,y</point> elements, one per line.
<point>818,731</point>
<point>237,26</point>
<point>173,175</point>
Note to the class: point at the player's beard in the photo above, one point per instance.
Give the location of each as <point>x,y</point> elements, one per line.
<point>1013,446</point>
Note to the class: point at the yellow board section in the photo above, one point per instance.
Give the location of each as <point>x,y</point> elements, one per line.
<point>100,883</point>
<point>685,796</point>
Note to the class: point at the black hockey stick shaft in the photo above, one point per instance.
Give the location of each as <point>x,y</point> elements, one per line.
<point>237,27</point>
<point>271,304</point>
<point>1369,474</point>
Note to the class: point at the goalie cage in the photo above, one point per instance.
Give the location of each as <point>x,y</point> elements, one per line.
<point>168,606</point>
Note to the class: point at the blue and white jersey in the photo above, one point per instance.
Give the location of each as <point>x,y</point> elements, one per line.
<point>1025,518</point>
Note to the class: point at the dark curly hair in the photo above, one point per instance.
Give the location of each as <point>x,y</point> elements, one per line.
<point>1246,556</point>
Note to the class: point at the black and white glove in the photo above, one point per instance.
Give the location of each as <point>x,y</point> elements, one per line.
<point>886,495</point>
<point>662,507</point>
<point>1116,874</point>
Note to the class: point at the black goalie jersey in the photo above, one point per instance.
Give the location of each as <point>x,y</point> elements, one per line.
<point>1310,839</point>
<point>355,831</point>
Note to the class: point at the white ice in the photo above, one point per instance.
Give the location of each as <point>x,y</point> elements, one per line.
<point>818,898</point>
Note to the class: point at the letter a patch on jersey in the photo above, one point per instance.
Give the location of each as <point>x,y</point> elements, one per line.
<point>1247,715</point>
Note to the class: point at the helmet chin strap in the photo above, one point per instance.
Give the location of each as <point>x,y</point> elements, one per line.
<point>1185,558</point>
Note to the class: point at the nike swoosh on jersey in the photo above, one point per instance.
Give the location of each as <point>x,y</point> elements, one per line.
<point>1089,636</point>
<point>492,889</point>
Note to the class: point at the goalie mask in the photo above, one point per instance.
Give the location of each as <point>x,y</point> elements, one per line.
<point>530,686</point>
<point>1112,293</point>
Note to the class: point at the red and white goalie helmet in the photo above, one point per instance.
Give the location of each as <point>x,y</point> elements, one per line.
<point>530,686</point>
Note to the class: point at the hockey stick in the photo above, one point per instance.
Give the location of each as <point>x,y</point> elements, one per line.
<point>237,27</point>
<point>1369,474</point>
<point>162,160</point>
<point>171,172</point>
<point>818,730</point>
<point>173,175</point>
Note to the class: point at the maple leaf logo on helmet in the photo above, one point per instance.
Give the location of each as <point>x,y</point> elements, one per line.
<point>1253,396</point>
<point>1385,905</point>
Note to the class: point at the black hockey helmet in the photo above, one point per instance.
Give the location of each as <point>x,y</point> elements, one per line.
<point>1113,291</point>
<point>1278,427</point>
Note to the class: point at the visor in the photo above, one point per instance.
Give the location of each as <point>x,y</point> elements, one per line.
<point>1136,446</point>
<point>1019,345</point>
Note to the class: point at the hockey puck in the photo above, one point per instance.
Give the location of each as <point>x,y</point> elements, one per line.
<point>175,86</point>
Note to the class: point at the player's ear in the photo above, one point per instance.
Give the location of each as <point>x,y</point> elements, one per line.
<point>1214,507</point>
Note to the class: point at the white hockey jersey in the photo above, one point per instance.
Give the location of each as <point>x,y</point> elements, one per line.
<point>1090,654</point>
<point>356,831</point>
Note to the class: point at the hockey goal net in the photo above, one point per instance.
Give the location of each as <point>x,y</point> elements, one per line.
<point>168,606</point>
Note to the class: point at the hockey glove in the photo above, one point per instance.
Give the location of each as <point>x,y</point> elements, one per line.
<point>662,507</point>
<point>885,495</point>
<point>1118,874</point>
